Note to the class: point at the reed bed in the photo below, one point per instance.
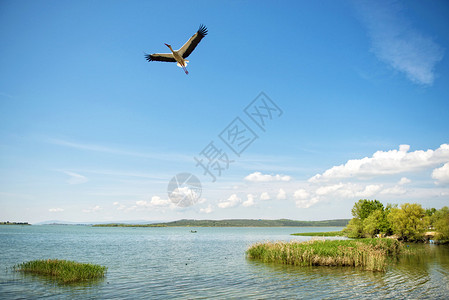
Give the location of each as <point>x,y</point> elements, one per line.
<point>325,233</point>
<point>63,271</point>
<point>369,254</point>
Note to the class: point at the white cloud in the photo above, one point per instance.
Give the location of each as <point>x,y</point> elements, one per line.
<point>324,190</point>
<point>348,190</point>
<point>232,201</point>
<point>56,209</point>
<point>281,195</point>
<point>265,196</point>
<point>369,190</point>
<point>93,209</point>
<point>306,203</point>
<point>301,194</point>
<point>395,190</point>
<point>404,180</point>
<point>75,178</point>
<point>441,174</point>
<point>184,196</point>
<point>259,177</point>
<point>155,201</point>
<point>250,201</point>
<point>206,210</point>
<point>385,163</point>
<point>397,43</point>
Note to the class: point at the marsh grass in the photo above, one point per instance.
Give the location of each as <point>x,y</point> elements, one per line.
<point>63,271</point>
<point>369,254</point>
<point>326,233</point>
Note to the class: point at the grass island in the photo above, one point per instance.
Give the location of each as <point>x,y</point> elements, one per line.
<point>63,271</point>
<point>369,254</point>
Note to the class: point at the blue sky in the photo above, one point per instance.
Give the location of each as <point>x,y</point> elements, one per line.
<point>90,131</point>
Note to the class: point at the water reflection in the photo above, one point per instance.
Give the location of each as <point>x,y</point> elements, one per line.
<point>423,275</point>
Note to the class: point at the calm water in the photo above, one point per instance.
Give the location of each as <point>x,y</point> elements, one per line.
<point>172,263</point>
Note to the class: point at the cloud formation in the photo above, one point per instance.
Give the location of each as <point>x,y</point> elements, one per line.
<point>282,195</point>
<point>232,201</point>
<point>249,201</point>
<point>306,203</point>
<point>265,196</point>
<point>301,194</point>
<point>155,202</point>
<point>259,177</point>
<point>397,43</point>
<point>386,163</point>
<point>441,174</point>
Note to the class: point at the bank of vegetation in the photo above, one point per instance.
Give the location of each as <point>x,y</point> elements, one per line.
<point>409,222</point>
<point>63,271</point>
<point>322,234</point>
<point>14,223</point>
<point>368,254</point>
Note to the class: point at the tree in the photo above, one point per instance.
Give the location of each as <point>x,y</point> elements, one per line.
<point>369,219</point>
<point>354,229</point>
<point>440,220</point>
<point>408,222</point>
<point>372,222</point>
<point>430,211</point>
<point>363,208</point>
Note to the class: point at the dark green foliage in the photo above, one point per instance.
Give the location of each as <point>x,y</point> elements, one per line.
<point>14,223</point>
<point>363,208</point>
<point>370,219</point>
<point>430,211</point>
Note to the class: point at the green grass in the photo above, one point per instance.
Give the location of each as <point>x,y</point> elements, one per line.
<point>369,254</point>
<point>63,271</point>
<point>327,233</point>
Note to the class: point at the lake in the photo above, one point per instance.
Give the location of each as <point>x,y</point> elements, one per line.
<point>173,263</point>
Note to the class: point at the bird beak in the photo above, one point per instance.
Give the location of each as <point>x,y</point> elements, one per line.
<point>167,45</point>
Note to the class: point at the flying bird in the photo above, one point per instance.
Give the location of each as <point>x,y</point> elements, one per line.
<point>180,55</point>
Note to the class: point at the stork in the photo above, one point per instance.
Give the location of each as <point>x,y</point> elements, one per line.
<point>180,55</point>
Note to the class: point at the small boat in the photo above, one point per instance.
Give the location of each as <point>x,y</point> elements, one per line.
<point>193,231</point>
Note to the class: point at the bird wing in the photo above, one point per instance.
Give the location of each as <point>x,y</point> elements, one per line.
<point>160,57</point>
<point>192,42</point>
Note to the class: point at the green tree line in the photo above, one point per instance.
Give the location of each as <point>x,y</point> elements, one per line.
<point>409,222</point>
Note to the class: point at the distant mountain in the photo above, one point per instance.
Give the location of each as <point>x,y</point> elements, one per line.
<point>254,223</point>
<point>210,223</point>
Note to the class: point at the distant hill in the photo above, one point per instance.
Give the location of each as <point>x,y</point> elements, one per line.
<point>254,223</point>
<point>14,223</point>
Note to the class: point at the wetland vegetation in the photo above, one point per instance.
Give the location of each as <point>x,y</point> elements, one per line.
<point>368,254</point>
<point>63,271</point>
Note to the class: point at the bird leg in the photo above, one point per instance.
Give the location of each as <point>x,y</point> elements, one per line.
<point>185,70</point>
